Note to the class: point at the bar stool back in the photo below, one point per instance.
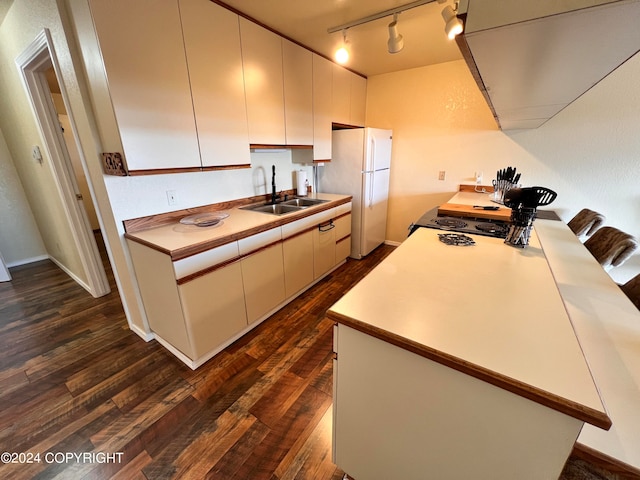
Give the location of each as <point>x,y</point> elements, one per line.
<point>586,222</point>
<point>632,290</point>
<point>610,246</point>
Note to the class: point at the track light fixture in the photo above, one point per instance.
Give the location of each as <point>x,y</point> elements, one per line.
<point>342,54</point>
<point>453,25</point>
<point>395,42</point>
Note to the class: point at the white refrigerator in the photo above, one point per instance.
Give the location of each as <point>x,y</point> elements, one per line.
<point>360,166</point>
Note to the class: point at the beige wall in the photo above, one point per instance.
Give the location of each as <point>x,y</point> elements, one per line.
<point>20,240</point>
<point>589,153</point>
<point>23,22</point>
<point>21,25</point>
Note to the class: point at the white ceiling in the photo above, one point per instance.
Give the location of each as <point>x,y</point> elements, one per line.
<point>307,21</point>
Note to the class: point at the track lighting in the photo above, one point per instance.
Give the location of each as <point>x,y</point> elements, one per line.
<point>342,54</point>
<point>396,42</point>
<point>453,25</point>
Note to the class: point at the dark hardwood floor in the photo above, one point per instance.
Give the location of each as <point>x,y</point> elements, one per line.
<point>74,380</point>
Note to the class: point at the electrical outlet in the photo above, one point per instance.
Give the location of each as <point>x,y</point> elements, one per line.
<point>478,178</point>
<point>172,197</point>
<point>441,175</point>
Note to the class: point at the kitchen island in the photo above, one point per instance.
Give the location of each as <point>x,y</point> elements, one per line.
<point>459,362</point>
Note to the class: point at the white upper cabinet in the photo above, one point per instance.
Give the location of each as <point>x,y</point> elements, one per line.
<point>358,100</point>
<point>212,45</point>
<point>341,99</point>
<point>298,93</point>
<point>263,79</point>
<point>349,97</point>
<point>322,107</point>
<point>146,68</point>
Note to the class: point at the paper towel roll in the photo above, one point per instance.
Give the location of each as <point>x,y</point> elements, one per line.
<point>302,183</point>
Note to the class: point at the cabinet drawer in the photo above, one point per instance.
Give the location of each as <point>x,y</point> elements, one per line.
<point>343,249</point>
<point>343,227</point>
<point>308,222</point>
<point>344,208</point>
<point>258,241</point>
<point>201,261</point>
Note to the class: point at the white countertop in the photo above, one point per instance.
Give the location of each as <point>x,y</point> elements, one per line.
<point>491,305</point>
<point>607,325</point>
<point>175,237</point>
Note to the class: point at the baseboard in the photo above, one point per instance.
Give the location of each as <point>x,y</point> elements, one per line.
<point>194,364</point>
<point>392,243</point>
<point>77,279</point>
<point>146,336</point>
<point>26,261</point>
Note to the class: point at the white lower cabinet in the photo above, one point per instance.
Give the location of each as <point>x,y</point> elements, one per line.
<point>263,279</point>
<point>343,237</point>
<point>324,248</point>
<point>214,308</point>
<point>199,304</point>
<point>298,262</point>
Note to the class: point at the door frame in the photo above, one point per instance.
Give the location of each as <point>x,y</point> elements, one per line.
<point>38,57</point>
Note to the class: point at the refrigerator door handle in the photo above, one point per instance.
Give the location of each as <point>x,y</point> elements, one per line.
<point>373,170</point>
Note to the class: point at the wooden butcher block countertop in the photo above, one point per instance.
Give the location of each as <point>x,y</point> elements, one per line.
<point>461,210</point>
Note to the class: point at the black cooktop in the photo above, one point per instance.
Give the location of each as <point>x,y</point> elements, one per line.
<point>478,226</point>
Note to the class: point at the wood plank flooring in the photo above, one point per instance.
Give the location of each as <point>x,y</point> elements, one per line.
<point>75,380</point>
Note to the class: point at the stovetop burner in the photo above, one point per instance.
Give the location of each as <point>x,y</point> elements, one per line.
<point>494,228</point>
<point>477,226</point>
<point>449,222</point>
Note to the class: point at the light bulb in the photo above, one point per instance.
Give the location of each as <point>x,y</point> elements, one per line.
<point>342,55</point>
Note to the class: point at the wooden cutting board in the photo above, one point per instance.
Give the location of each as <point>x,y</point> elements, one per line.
<point>459,210</point>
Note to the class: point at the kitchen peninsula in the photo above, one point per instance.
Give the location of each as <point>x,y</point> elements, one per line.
<point>459,362</point>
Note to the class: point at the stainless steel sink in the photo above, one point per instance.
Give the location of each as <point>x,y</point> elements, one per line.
<point>304,202</point>
<point>277,209</point>
<point>288,206</point>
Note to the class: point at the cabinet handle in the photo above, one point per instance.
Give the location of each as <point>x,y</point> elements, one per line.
<point>327,226</point>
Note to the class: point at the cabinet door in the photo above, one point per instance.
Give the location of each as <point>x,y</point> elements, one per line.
<point>324,248</point>
<point>263,80</point>
<point>214,309</point>
<point>298,93</point>
<point>341,95</point>
<point>212,45</point>
<point>298,262</point>
<point>358,100</point>
<point>263,279</point>
<point>343,237</point>
<point>322,106</point>
<point>143,53</point>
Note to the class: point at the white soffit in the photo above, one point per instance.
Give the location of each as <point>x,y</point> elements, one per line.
<point>533,69</point>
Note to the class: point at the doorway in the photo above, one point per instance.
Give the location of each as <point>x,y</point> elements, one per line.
<point>34,63</point>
